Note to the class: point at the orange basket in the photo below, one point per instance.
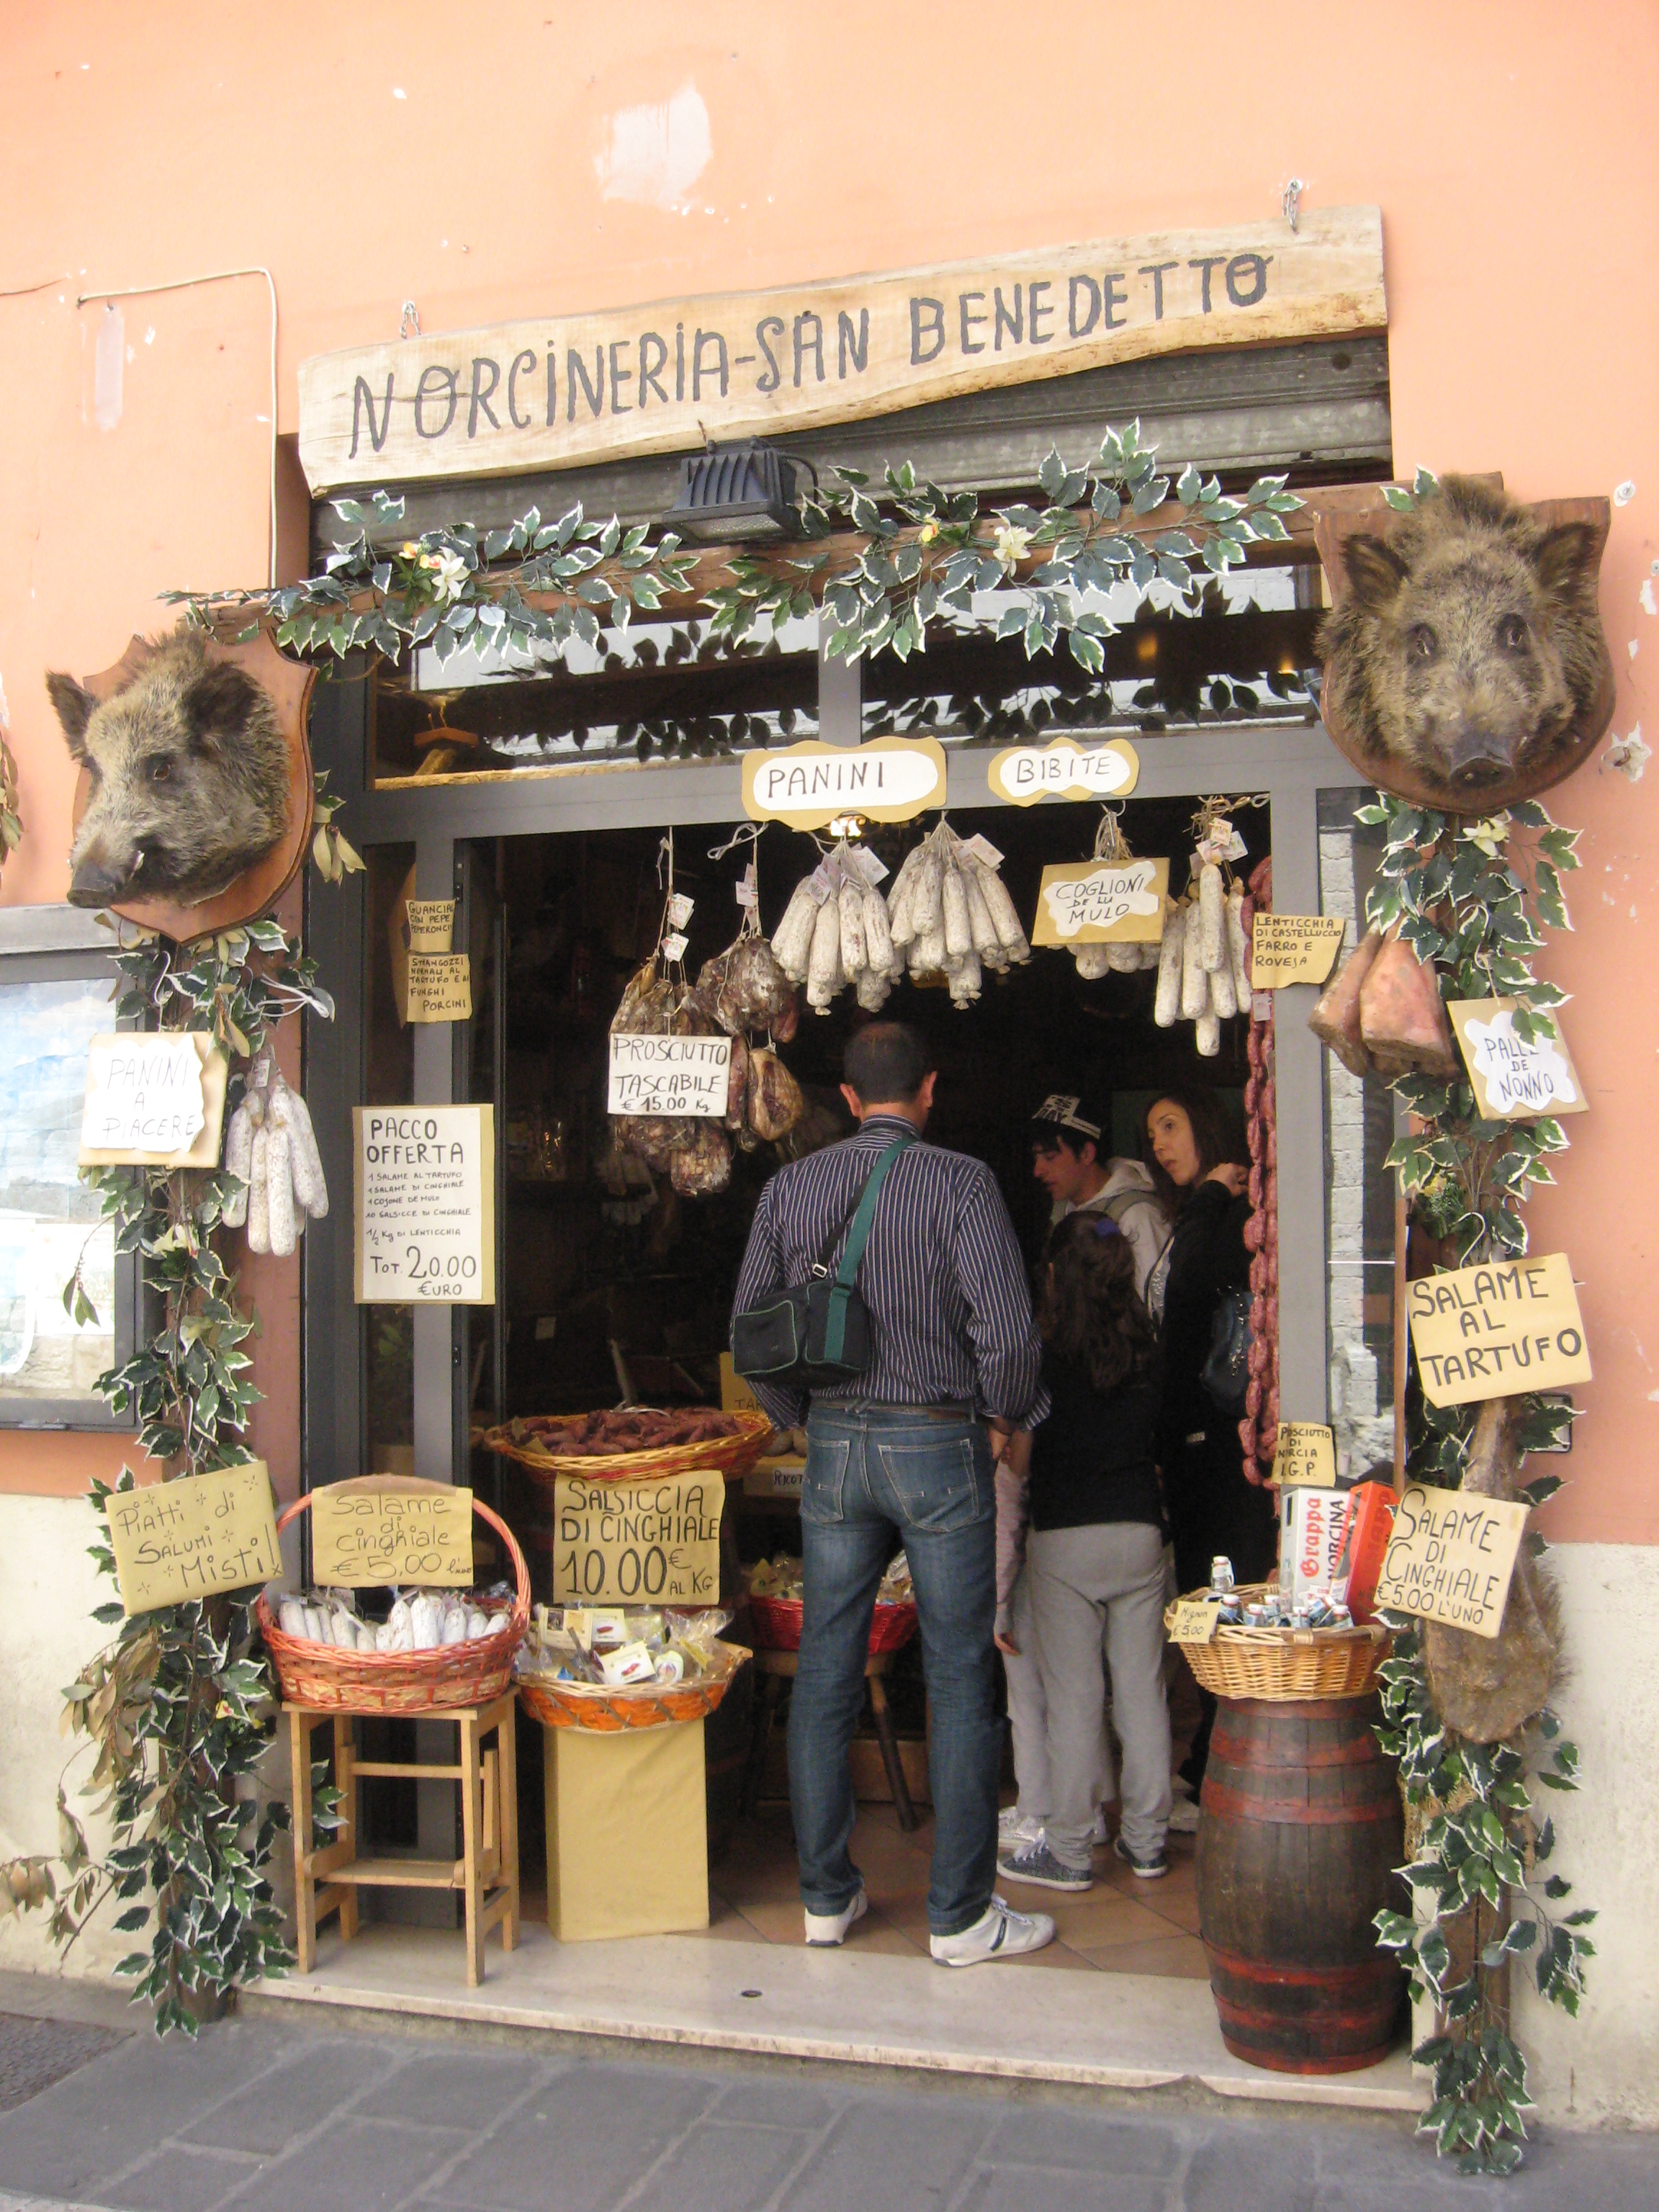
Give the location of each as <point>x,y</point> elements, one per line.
<point>732,1456</point>
<point>398,1682</point>
<point>776,1624</point>
<point>603,1712</point>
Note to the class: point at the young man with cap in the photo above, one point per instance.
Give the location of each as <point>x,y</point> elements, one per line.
<point>900,1453</point>
<point>1066,1143</point>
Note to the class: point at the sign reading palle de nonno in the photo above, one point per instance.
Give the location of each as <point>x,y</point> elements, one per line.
<point>558,390</point>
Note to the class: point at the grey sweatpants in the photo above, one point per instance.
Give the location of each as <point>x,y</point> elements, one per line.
<point>1099,1589</point>
<point>1028,1720</point>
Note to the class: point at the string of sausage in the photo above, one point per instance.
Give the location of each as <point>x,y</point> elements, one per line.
<point>1258,1433</point>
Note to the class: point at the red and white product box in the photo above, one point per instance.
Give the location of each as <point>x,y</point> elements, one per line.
<point>1312,1523</point>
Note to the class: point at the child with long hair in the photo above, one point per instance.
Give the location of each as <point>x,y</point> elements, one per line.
<point>1095,1557</point>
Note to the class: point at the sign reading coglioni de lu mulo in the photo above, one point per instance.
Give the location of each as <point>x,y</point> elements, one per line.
<point>560,389</point>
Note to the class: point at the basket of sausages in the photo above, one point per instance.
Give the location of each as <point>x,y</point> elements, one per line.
<point>634,1444</point>
<point>434,1648</point>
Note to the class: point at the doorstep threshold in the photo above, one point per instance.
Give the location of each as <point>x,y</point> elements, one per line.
<point>1015,2022</point>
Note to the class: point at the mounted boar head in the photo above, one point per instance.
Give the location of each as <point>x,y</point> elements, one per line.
<point>190,778</point>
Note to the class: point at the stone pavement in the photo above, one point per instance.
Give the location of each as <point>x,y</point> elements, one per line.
<point>274,2117</point>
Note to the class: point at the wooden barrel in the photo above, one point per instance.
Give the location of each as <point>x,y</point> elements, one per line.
<point>1300,1830</point>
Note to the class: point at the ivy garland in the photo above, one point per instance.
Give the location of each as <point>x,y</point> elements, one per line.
<point>1469,897</point>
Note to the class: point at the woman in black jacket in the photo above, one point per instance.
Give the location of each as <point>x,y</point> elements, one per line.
<point>1212,1508</point>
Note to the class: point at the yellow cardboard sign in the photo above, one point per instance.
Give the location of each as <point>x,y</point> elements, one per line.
<point>1293,948</point>
<point>1195,1621</point>
<point>1450,1558</point>
<point>194,1537</point>
<point>1102,902</point>
<point>1305,1453</point>
<point>155,1098</point>
<point>637,1543</point>
<point>1496,1330</point>
<point>1513,1081</point>
<point>439,986</point>
<point>431,925</point>
<point>1065,770</point>
<point>361,1538</point>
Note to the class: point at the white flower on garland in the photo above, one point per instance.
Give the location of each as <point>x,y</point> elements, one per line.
<point>1489,835</point>
<point>1011,544</point>
<point>449,574</point>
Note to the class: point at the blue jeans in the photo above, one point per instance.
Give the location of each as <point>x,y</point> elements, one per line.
<point>877,1477</point>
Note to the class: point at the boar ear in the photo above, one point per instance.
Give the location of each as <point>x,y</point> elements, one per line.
<point>218,705</point>
<point>1566,560</point>
<point>75,707</point>
<point>1375,572</point>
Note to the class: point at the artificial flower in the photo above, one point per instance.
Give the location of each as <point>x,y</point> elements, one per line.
<point>1489,835</point>
<point>1012,543</point>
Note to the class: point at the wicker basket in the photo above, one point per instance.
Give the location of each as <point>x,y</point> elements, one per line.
<point>1281,1664</point>
<point>777,1625</point>
<point>398,1682</point>
<point>600,1710</point>
<point>732,1456</point>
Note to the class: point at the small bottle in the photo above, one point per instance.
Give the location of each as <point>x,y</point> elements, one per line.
<point>1221,1573</point>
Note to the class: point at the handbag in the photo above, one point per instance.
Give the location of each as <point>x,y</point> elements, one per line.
<point>1225,1376</point>
<point>817,1334</point>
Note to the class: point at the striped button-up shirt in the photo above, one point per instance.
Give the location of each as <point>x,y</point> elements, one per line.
<point>942,1277</point>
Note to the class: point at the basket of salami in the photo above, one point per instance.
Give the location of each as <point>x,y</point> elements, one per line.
<point>634,1444</point>
<point>776,1606</point>
<point>610,1670</point>
<point>436,1649</point>
<point>1260,1656</point>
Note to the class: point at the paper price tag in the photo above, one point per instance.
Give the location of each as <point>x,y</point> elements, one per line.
<point>637,1543</point>
<point>1196,1620</point>
<point>431,925</point>
<point>425,1198</point>
<point>203,1534</point>
<point>669,1075</point>
<point>439,986</point>
<point>1450,1557</point>
<point>1305,1452</point>
<point>360,1538</point>
<point>872,870</point>
<point>1102,902</point>
<point>1293,948</point>
<point>982,850</point>
<point>673,947</point>
<point>747,895</point>
<point>680,910</point>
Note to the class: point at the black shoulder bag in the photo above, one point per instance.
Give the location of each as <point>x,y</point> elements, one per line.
<point>817,1334</point>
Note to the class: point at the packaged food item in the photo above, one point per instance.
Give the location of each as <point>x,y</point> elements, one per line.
<point>627,1662</point>
<point>1312,1524</point>
<point>1365,1542</point>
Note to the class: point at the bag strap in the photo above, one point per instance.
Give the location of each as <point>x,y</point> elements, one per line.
<point>864,1214</point>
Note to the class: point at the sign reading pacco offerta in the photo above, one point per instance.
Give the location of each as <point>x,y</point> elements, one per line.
<point>560,389</point>
<point>425,1192</point>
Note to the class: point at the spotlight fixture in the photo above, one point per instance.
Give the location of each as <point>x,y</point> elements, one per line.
<point>735,492</point>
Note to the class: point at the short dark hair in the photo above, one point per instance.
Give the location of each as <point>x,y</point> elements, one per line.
<point>886,1061</point>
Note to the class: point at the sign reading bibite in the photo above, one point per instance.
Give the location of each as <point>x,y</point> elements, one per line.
<point>637,1543</point>
<point>195,1537</point>
<point>1493,1331</point>
<point>425,1192</point>
<point>682,1075</point>
<point>1065,770</point>
<point>363,1538</point>
<point>1450,1558</point>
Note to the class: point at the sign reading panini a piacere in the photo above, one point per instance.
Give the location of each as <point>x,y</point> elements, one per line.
<point>558,390</point>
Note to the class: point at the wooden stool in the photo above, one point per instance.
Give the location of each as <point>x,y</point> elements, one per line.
<point>487,1873</point>
<point>774,1669</point>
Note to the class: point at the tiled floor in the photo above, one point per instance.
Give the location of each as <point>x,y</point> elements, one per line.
<point>1122,1925</point>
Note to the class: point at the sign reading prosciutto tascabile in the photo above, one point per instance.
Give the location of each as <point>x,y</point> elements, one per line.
<point>557,389</point>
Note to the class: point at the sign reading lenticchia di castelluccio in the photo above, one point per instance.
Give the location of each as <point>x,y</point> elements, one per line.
<point>559,389</point>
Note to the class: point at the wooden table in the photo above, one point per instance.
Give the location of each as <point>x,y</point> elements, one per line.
<point>327,1879</point>
<point>774,1669</point>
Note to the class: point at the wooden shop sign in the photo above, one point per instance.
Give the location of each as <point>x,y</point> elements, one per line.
<point>637,1543</point>
<point>1065,770</point>
<point>195,1537</point>
<point>1293,948</point>
<point>363,1538</point>
<point>1513,1081</point>
<point>1102,902</point>
<point>808,785</point>
<point>1496,1330</point>
<point>1450,1557</point>
<point>1305,1453</point>
<point>425,1198</point>
<point>153,1099</point>
<point>679,1075</point>
<point>557,389</point>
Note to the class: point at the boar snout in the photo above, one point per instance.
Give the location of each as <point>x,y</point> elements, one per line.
<point>97,881</point>
<point>1478,754</point>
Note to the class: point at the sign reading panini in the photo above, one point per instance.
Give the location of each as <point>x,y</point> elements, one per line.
<point>561,389</point>
<point>1494,1331</point>
<point>888,779</point>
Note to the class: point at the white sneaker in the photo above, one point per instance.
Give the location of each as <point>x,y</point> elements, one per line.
<point>824,1929</point>
<point>1183,1817</point>
<point>1011,1830</point>
<point>1000,1934</point>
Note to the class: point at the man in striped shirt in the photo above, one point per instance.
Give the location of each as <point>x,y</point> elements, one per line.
<point>903,1451</point>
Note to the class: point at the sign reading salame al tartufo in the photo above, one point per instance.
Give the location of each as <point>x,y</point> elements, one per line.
<point>559,389</point>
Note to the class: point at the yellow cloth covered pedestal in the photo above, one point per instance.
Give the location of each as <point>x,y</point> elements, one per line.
<point>627,1833</point>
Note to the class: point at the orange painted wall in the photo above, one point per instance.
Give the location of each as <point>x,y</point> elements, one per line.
<point>458,156</point>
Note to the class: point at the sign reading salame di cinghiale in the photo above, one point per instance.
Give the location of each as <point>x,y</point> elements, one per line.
<point>557,389</point>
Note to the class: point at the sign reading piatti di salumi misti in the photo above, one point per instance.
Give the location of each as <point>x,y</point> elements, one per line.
<point>558,390</point>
